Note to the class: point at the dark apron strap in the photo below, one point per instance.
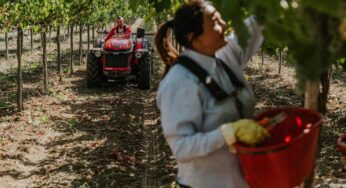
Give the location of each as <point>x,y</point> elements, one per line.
<point>237,83</point>
<point>216,91</point>
<point>234,79</point>
<point>213,87</point>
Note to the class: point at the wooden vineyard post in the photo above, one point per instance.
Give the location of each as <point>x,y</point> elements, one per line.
<point>88,39</point>
<point>311,94</point>
<point>311,102</point>
<point>80,44</point>
<point>71,50</point>
<point>6,45</point>
<point>323,97</point>
<point>45,66</point>
<point>93,34</point>
<point>280,61</point>
<point>59,51</point>
<point>19,72</point>
<point>21,32</point>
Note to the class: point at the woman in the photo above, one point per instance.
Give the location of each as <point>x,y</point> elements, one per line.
<point>204,100</point>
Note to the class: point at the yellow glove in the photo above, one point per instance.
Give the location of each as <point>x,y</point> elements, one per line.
<point>244,130</point>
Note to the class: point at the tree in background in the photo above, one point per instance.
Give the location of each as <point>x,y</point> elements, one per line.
<point>13,16</point>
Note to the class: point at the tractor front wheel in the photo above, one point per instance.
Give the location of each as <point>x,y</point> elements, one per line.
<point>144,73</point>
<point>94,71</point>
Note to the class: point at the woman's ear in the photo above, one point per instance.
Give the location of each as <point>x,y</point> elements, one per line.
<point>189,37</point>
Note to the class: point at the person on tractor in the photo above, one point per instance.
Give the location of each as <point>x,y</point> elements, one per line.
<point>120,30</point>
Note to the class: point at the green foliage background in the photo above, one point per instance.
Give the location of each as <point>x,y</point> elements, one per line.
<point>313,31</point>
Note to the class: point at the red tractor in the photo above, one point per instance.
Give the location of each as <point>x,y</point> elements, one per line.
<point>121,59</point>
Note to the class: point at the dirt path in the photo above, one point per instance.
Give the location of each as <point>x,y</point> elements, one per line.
<point>150,179</point>
<point>79,137</point>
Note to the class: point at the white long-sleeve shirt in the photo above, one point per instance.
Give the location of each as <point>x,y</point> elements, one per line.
<point>191,116</point>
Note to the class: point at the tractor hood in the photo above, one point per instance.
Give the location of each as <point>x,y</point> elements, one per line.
<point>118,44</point>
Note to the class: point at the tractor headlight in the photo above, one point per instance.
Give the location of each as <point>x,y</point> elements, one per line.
<point>138,55</point>
<point>98,54</point>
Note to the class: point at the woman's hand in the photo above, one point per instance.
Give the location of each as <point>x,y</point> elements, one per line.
<point>245,130</point>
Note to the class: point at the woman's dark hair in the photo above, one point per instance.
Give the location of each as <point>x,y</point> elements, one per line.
<point>188,19</point>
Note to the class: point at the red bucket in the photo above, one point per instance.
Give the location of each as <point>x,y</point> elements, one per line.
<point>287,158</point>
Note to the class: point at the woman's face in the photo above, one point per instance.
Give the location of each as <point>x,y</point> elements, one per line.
<point>212,37</point>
